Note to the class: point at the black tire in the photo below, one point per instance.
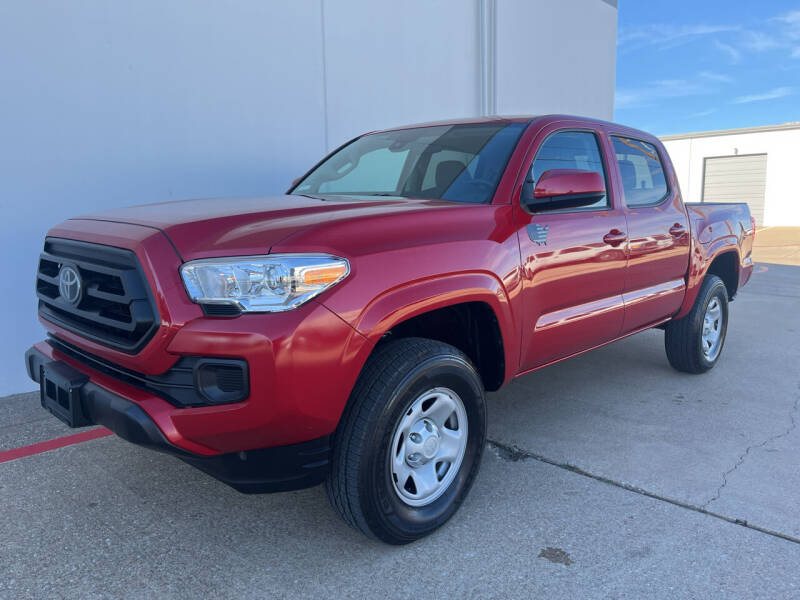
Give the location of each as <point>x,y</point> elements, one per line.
<point>683,339</point>
<point>359,485</point>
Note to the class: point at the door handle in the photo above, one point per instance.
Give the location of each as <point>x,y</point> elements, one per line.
<point>614,237</point>
<point>677,230</point>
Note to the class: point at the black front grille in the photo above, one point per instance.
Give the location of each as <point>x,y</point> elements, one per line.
<point>114,306</point>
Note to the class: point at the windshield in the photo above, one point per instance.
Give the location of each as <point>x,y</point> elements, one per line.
<point>462,163</point>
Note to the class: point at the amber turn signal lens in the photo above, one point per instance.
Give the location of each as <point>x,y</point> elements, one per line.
<point>323,275</point>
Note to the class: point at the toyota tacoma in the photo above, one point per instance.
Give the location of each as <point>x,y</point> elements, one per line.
<point>348,331</point>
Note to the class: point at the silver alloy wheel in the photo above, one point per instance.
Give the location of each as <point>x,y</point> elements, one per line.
<point>712,329</point>
<point>428,446</point>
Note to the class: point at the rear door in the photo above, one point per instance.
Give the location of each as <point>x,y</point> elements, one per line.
<point>658,230</point>
<point>573,261</point>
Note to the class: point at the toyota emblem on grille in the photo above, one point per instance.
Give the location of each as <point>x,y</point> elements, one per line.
<point>69,284</point>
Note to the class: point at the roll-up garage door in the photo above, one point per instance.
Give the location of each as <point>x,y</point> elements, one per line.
<point>737,179</point>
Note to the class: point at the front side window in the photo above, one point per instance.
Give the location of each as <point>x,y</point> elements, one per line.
<point>462,163</point>
<point>570,150</point>
<point>641,170</point>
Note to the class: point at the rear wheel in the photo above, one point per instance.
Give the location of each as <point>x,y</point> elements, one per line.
<point>694,343</point>
<point>410,442</point>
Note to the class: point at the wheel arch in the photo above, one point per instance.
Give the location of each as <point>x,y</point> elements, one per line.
<point>726,266</point>
<point>469,311</point>
<point>721,259</point>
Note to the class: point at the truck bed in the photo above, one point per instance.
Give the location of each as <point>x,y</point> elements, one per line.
<point>707,214</point>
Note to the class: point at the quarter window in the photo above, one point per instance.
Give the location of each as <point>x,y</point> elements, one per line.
<point>641,170</point>
<point>570,150</point>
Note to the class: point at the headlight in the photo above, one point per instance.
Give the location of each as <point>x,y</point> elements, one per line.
<point>271,283</point>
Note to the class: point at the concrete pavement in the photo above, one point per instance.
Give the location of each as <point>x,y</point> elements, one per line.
<point>623,413</point>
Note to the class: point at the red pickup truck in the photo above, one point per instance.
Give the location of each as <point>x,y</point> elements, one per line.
<point>347,331</point>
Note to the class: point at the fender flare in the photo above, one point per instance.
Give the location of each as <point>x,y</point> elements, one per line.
<point>701,259</point>
<point>401,303</point>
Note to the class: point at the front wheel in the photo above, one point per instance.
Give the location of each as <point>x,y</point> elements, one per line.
<point>410,442</point>
<point>694,343</point>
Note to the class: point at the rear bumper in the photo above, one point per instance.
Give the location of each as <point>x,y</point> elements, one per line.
<point>274,469</point>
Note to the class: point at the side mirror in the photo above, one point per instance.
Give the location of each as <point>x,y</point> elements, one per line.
<point>564,188</point>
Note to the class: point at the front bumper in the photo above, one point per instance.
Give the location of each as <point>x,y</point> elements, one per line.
<point>302,366</point>
<point>274,469</point>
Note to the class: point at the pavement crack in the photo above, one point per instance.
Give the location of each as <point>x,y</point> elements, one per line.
<point>740,461</point>
<point>509,452</point>
<point>513,453</point>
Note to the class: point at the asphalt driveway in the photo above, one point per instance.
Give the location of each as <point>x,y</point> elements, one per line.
<point>610,475</point>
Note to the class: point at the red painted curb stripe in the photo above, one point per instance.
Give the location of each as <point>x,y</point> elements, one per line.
<point>54,444</point>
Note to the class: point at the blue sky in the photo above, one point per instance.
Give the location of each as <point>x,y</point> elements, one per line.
<point>707,64</point>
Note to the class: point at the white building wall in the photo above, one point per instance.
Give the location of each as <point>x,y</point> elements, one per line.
<point>394,63</point>
<point>107,104</point>
<point>553,56</point>
<point>782,147</point>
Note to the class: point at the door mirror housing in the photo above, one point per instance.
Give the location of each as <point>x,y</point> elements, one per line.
<point>563,188</point>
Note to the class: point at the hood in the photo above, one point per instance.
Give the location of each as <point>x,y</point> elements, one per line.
<point>212,227</point>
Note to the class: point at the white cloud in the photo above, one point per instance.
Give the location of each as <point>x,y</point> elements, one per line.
<point>789,29</point>
<point>779,92</point>
<point>759,41</point>
<point>792,21</point>
<point>705,82</point>
<point>659,90</point>
<point>733,54</point>
<point>668,35</point>
<point>703,113</point>
<point>777,33</point>
<point>718,77</point>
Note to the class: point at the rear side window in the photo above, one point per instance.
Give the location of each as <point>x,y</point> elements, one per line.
<point>570,150</point>
<point>642,173</point>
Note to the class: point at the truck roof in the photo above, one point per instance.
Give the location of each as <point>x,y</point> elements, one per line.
<point>498,119</point>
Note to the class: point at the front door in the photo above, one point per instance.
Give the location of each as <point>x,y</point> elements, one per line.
<point>573,261</point>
